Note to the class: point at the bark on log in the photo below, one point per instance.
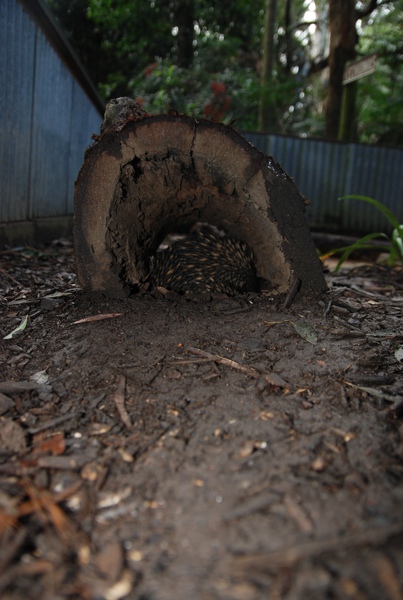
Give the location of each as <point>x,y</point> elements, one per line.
<point>146,178</point>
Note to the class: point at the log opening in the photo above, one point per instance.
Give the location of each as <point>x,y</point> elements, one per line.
<point>158,175</point>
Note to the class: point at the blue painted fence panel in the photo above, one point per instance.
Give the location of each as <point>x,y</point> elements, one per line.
<point>17,66</point>
<point>46,122</point>
<point>323,171</point>
<point>50,133</point>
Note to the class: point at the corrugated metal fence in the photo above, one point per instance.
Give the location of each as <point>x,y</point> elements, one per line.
<point>46,119</point>
<point>48,112</point>
<point>324,171</point>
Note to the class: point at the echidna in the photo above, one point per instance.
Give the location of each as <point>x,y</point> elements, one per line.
<point>120,110</point>
<point>204,261</point>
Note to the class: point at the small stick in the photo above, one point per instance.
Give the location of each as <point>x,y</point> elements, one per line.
<point>53,423</point>
<point>292,293</point>
<point>119,398</point>
<point>289,556</point>
<point>11,545</point>
<point>221,360</point>
<point>272,379</point>
<point>297,513</point>
<point>192,361</point>
<point>327,309</point>
<point>10,277</point>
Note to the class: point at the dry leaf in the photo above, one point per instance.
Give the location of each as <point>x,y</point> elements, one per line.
<point>94,318</point>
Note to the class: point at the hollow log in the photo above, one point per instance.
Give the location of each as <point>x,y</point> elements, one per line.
<point>143,179</point>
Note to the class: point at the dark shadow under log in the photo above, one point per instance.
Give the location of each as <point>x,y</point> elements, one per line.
<point>162,174</point>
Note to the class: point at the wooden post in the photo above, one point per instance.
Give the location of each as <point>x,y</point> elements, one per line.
<point>348,116</point>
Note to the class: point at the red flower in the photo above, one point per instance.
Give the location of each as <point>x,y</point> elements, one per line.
<point>218,88</point>
<point>148,70</point>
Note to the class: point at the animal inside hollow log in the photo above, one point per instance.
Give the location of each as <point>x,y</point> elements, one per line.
<point>205,260</point>
<point>145,174</point>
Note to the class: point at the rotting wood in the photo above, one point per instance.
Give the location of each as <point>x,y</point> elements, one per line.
<point>149,177</point>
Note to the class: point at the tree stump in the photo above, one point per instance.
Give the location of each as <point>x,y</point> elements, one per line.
<point>145,178</point>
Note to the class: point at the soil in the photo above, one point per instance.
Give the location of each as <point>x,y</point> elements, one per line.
<point>174,448</point>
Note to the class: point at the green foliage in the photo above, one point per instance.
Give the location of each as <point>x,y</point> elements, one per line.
<point>136,54</point>
<point>136,48</point>
<point>380,95</point>
<point>220,96</point>
<point>395,243</point>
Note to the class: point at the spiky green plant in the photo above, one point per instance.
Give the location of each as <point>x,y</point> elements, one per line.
<point>395,243</point>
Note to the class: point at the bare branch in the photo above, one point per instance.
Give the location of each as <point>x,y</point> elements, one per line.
<point>303,24</point>
<point>318,65</point>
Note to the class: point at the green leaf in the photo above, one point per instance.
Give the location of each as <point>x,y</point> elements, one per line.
<point>305,331</point>
<point>18,329</point>
<point>360,244</point>
<point>384,209</point>
<point>395,247</point>
<point>397,240</point>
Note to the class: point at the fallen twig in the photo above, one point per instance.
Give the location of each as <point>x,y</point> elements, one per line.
<point>374,296</point>
<point>251,506</point>
<point>16,387</point>
<point>19,570</point>
<point>292,293</point>
<point>53,423</point>
<point>119,398</point>
<point>221,360</point>
<point>271,561</point>
<point>10,277</point>
<point>271,378</point>
<point>11,543</point>
<point>298,514</point>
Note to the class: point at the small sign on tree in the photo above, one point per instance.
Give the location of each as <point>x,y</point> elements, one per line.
<point>360,68</point>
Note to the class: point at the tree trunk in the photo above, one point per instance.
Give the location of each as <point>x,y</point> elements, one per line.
<point>288,36</point>
<point>343,39</point>
<point>184,20</point>
<point>148,177</point>
<point>266,120</point>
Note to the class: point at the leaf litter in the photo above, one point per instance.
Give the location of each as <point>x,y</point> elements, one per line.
<point>189,450</point>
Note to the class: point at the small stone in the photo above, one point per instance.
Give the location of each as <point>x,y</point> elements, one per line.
<point>12,436</point>
<point>318,464</point>
<point>5,403</point>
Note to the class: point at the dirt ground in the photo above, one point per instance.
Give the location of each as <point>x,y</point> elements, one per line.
<point>178,449</point>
